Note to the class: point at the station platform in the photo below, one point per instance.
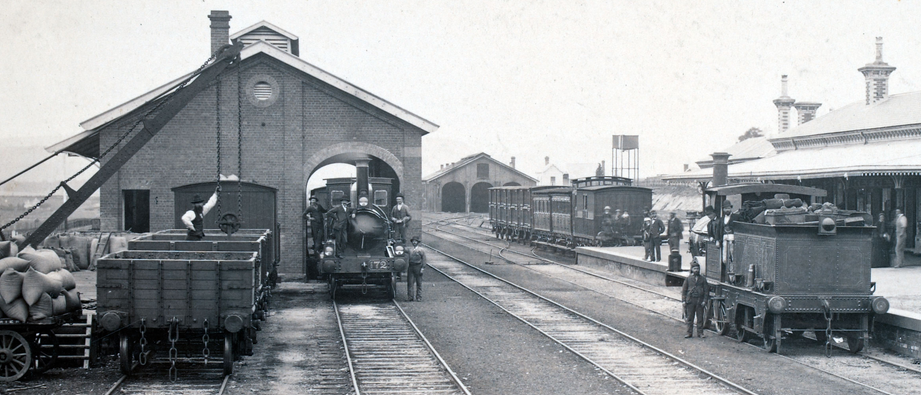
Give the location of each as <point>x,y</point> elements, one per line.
<point>898,330</point>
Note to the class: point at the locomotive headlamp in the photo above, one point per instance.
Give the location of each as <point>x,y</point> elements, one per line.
<point>827,226</point>
<point>398,250</point>
<point>776,304</point>
<point>328,251</point>
<point>879,305</point>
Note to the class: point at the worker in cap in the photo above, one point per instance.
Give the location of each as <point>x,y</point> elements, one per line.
<point>194,219</point>
<point>656,229</point>
<point>414,271</point>
<point>400,217</point>
<point>314,217</point>
<point>339,216</point>
<point>694,295</point>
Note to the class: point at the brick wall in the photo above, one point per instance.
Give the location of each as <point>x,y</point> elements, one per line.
<point>280,136</point>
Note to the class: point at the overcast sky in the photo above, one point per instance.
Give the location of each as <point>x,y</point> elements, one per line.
<point>510,78</point>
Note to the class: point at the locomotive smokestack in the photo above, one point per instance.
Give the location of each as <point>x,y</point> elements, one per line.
<point>361,178</point>
<point>720,168</point>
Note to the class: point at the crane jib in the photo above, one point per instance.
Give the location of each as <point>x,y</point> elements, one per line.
<point>169,110</point>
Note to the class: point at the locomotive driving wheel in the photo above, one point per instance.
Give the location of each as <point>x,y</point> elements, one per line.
<point>720,321</point>
<point>15,356</point>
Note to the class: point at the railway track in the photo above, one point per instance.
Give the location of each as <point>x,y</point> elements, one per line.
<point>638,365</point>
<point>883,373</point>
<point>387,354</point>
<point>194,379</point>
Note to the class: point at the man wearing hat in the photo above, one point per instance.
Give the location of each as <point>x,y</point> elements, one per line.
<point>414,272</point>
<point>400,217</point>
<point>314,217</point>
<point>656,230</point>
<point>694,295</point>
<point>339,216</point>
<point>720,231</point>
<point>194,219</point>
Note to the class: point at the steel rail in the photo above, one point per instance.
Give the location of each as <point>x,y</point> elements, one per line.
<point>635,340</point>
<point>431,348</point>
<point>345,345</point>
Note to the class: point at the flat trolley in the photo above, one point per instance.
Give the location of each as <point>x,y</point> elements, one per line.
<point>30,347</point>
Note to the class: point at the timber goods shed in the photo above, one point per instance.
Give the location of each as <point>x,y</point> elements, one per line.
<point>463,186</point>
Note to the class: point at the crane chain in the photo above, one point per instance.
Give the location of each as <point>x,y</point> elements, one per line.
<point>239,149</point>
<point>166,99</point>
<point>217,104</point>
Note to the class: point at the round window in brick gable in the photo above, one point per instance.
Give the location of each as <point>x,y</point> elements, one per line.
<point>262,90</point>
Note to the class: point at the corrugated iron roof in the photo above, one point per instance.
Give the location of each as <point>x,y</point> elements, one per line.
<point>900,109</point>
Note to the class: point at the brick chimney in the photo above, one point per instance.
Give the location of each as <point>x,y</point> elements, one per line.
<point>720,168</point>
<point>783,103</point>
<point>513,162</point>
<point>220,29</point>
<point>876,75</point>
<point>546,160</point>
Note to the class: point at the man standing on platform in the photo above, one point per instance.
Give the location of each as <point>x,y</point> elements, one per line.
<point>656,231</point>
<point>314,217</point>
<point>400,217</point>
<point>900,225</point>
<point>675,232</point>
<point>694,295</point>
<point>414,272</point>
<point>194,219</point>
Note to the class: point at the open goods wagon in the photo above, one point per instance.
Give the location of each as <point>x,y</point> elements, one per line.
<point>157,298</point>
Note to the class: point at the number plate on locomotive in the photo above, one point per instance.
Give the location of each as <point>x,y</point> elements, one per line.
<point>379,265</point>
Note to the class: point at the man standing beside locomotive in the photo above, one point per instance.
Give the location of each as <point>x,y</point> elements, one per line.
<point>194,219</point>
<point>414,272</point>
<point>694,295</point>
<point>339,216</point>
<point>400,217</point>
<point>314,217</point>
<point>721,232</point>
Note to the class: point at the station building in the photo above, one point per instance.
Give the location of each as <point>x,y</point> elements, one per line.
<point>271,120</point>
<point>867,155</point>
<point>463,186</point>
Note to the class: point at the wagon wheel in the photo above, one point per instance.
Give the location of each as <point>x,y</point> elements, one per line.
<point>720,322</point>
<point>855,343</point>
<point>228,354</point>
<point>772,334</point>
<point>15,356</point>
<point>125,353</point>
<point>45,350</point>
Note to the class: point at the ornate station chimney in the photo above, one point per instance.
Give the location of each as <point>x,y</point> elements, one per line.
<point>783,104</point>
<point>720,168</point>
<point>513,162</point>
<point>806,111</point>
<point>220,29</point>
<point>877,76</point>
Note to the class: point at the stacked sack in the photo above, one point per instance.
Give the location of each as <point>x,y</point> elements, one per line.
<point>34,284</point>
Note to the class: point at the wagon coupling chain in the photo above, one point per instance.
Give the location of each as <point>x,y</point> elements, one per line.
<point>204,338</point>
<point>142,357</point>
<point>173,353</point>
<point>826,310</point>
<point>364,283</point>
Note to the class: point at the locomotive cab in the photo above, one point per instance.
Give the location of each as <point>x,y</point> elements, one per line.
<point>787,264</point>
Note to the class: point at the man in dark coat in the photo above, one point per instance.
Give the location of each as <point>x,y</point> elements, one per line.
<point>694,295</point>
<point>720,231</point>
<point>656,231</point>
<point>314,217</point>
<point>675,232</point>
<point>399,214</point>
<point>339,216</point>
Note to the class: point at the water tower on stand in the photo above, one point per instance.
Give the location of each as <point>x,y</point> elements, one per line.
<point>625,158</point>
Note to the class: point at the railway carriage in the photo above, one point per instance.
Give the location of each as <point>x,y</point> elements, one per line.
<point>590,202</point>
<point>791,269</point>
<point>510,212</point>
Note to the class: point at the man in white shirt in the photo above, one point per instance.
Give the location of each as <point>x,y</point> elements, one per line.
<point>194,219</point>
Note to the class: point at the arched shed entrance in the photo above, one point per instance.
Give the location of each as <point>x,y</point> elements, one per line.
<point>453,198</point>
<point>479,197</point>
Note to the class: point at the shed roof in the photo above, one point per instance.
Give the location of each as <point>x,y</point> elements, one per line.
<point>468,160</point>
<point>86,143</point>
<point>900,109</point>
